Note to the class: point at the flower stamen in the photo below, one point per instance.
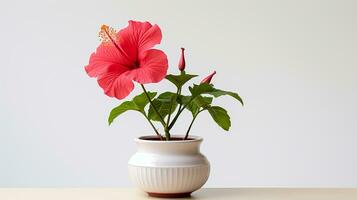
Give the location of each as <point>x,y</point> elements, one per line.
<point>109,35</point>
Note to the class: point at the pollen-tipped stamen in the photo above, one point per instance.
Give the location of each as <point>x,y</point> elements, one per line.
<point>108,34</point>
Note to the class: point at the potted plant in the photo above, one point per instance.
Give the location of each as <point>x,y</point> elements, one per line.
<point>165,165</point>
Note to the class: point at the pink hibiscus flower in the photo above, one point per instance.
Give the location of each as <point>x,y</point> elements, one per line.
<point>127,56</point>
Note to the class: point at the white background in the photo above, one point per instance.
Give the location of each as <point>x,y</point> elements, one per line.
<point>293,62</point>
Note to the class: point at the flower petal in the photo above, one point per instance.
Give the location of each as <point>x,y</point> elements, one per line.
<point>152,69</point>
<point>106,56</point>
<point>116,85</point>
<point>150,38</point>
<point>138,37</point>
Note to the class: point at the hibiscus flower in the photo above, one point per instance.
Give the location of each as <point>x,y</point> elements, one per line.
<point>126,56</point>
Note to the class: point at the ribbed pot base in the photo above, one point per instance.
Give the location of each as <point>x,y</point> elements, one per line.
<point>169,169</point>
<point>170,195</point>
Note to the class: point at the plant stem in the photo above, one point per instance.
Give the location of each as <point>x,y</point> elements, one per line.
<point>167,134</point>
<point>193,120</point>
<point>169,116</point>
<point>153,106</point>
<point>152,125</point>
<point>167,131</point>
<point>178,114</point>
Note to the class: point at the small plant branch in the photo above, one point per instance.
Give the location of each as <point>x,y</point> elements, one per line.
<point>180,106</point>
<point>193,120</point>
<point>152,125</point>
<point>178,113</point>
<point>172,102</point>
<point>167,132</point>
<point>175,118</point>
<point>153,106</point>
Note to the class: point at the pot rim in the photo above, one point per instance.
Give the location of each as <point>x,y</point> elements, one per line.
<point>193,138</point>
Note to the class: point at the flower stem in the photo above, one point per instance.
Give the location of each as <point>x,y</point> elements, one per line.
<point>169,116</point>
<point>152,125</point>
<point>167,133</point>
<point>193,120</point>
<point>178,114</point>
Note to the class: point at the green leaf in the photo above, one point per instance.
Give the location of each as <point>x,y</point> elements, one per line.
<point>193,108</point>
<point>203,88</point>
<point>163,105</point>
<point>138,103</point>
<point>180,80</point>
<point>141,100</point>
<point>125,106</point>
<point>196,104</point>
<point>182,99</point>
<point>218,93</point>
<point>202,102</point>
<point>220,116</point>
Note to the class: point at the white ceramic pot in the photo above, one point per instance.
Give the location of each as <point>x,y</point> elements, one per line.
<point>169,168</point>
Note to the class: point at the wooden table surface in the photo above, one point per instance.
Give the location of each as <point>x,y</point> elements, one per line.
<point>202,194</point>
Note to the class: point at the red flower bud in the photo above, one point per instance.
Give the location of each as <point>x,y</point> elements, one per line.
<point>208,78</point>
<point>182,62</point>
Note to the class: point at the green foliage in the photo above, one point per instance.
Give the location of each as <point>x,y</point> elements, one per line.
<point>182,99</point>
<point>202,102</point>
<point>138,103</point>
<point>206,88</point>
<point>141,100</point>
<point>165,104</point>
<point>195,105</point>
<point>218,93</point>
<point>220,116</point>
<point>179,80</point>
<point>203,88</point>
